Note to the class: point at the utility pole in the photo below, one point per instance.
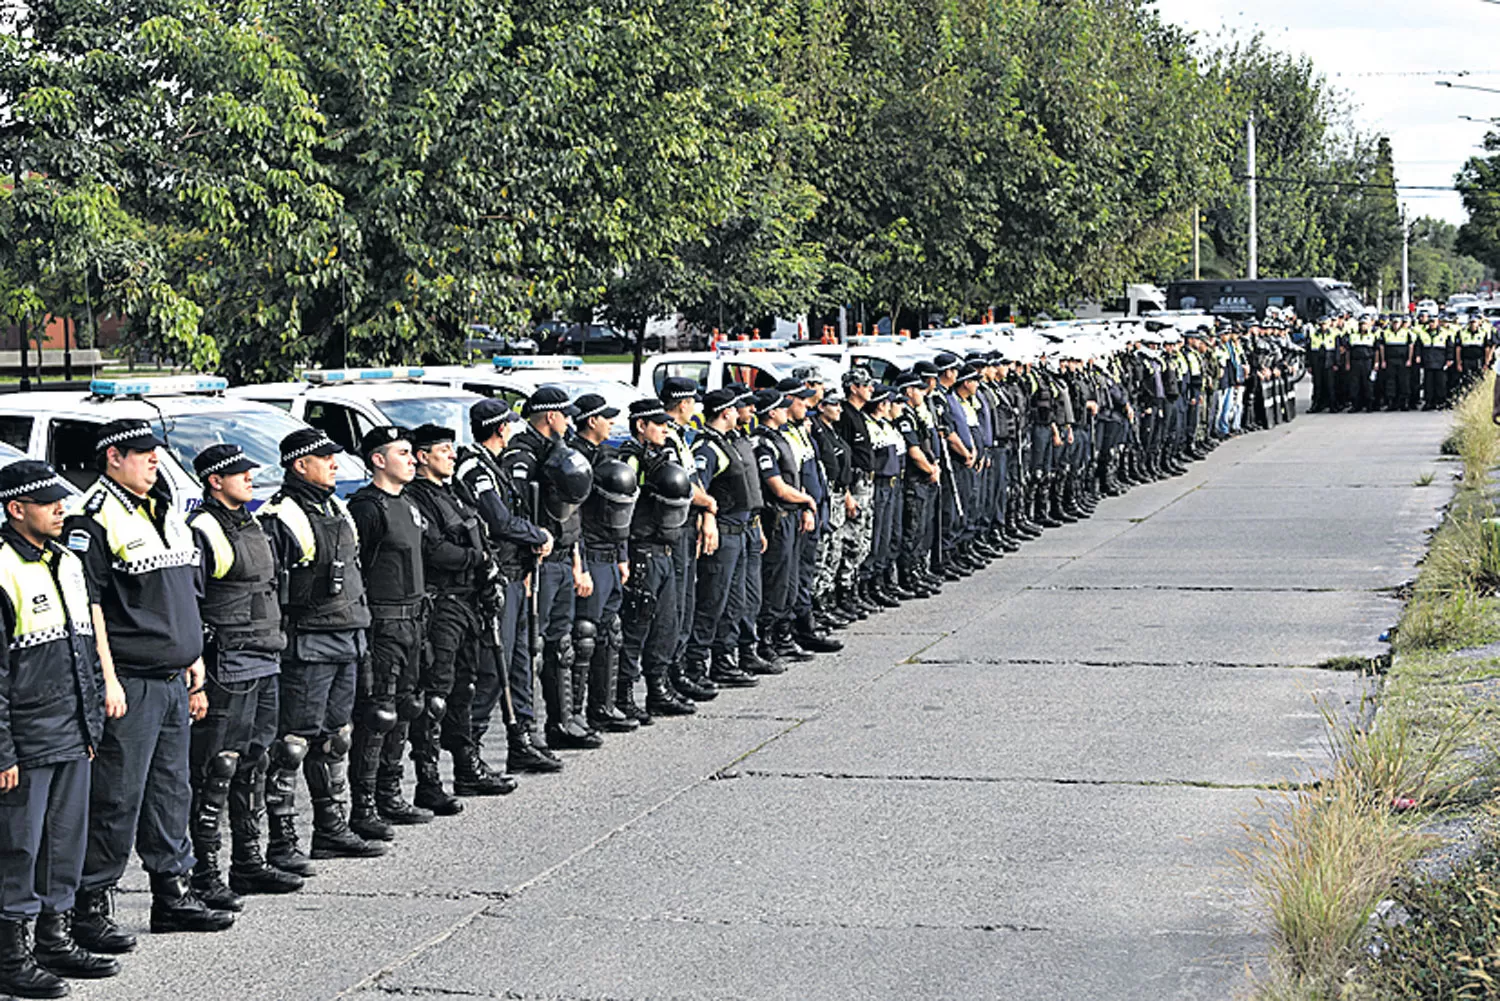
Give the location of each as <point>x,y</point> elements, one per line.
<point>1197,258</point>
<point>1250,184</point>
<point>1405,263</point>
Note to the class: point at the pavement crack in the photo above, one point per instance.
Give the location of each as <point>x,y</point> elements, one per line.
<point>1208,588</point>
<point>794,923</point>
<point>1168,783</point>
<point>1333,664</point>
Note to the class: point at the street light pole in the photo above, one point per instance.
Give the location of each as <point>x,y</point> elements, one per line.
<point>1405,262</point>
<point>1250,184</point>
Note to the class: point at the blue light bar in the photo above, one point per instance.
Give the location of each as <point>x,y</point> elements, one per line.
<point>171,386</point>
<point>536,362</point>
<point>349,375</point>
<point>764,344</point>
<point>861,339</point>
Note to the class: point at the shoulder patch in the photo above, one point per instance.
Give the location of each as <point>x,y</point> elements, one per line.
<point>767,463</point>
<point>79,540</point>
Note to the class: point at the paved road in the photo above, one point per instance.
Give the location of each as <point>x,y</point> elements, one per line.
<point>1027,789</point>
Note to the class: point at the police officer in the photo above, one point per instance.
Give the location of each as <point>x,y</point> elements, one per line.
<point>843,513</point>
<point>733,483</point>
<point>919,438</point>
<point>855,427</point>
<point>679,398</point>
<point>789,514</point>
<point>505,675</point>
<point>1437,349</point>
<point>242,652</point>
<point>650,605</point>
<point>456,564</point>
<point>142,565</point>
<point>556,480</point>
<point>325,614</point>
<point>1359,366</point>
<point>598,634</point>
<point>51,720</point>
<point>386,700</point>
<point>756,654</point>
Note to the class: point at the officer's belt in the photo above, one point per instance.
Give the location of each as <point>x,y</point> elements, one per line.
<point>887,481</point>
<point>650,549</point>
<point>559,556</point>
<point>395,613</point>
<point>610,554</point>
<point>733,527</point>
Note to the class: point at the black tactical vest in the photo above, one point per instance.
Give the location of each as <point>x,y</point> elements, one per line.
<point>457,523</point>
<point>731,485</point>
<point>744,447</point>
<point>394,576</point>
<point>328,594</point>
<point>241,606</point>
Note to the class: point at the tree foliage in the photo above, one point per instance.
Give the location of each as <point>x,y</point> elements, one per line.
<point>261,185</point>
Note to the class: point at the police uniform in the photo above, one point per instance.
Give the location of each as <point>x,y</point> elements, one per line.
<point>557,480</point>
<point>731,480</point>
<point>241,655</point>
<point>1396,354</point>
<point>693,683</point>
<point>650,605</point>
<point>142,563</point>
<point>51,719</point>
<point>756,656</point>
<point>1361,363</point>
<point>857,428</point>
<point>456,564</point>
<point>919,493</point>
<point>836,461</point>
<point>598,633</point>
<point>386,699</point>
<point>326,614</point>
<point>887,459</point>
<point>505,676</point>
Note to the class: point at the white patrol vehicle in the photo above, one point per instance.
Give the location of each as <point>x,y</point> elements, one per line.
<point>190,413</point>
<point>346,403</point>
<point>512,378</point>
<point>883,356</point>
<point>759,364</point>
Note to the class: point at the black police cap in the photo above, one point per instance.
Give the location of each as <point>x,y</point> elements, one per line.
<point>304,442</point>
<point>428,435</point>
<point>225,459</point>
<point>129,434</point>
<point>31,480</point>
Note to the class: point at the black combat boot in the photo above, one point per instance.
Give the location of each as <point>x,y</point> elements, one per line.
<point>663,700</point>
<point>849,605</point>
<point>20,976</point>
<point>894,587</point>
<point>787,647</point>
<point>725,672</point>
<point>694,675</point>
<point>522,754</point>
<point>390,800</point>
<point>248,870</point>
<point>94,925</point>
<point>472,777</point>
<point>283,850</point>
<point>206,829</point>
<point>564,731</point>
<point>327,772</point>
<point>365,819</point>
<point>174,908</point>
<point>604,682</point>
<point>430,794</point>
<point>626,703</point>
<point>751,662</point>
<point>56,951</point>
<point>808,637</point>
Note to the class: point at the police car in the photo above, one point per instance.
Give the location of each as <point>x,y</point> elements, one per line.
<point>513,378</point>
<point>190,413</point>
<point>883,356</point>
<point>346,403</point>
<point>759,364</point>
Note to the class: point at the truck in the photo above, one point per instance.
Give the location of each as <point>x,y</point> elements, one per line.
<point>1309,298</point>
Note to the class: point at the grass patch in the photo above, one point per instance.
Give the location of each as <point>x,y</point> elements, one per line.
<point>1475,439</point>
<point>1425,480</point>
<point>1449,944</point>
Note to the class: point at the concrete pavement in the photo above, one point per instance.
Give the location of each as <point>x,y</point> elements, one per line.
<point>1027,788</point>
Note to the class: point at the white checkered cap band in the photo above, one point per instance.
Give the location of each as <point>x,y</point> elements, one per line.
<point>559,405</point>
<point>648,414</point>
<point>497,418</point>
<point>34,485</point>
<point>223,464</point>
<point>119,436</point>
<point>307,449</point>
<point>584,415</point>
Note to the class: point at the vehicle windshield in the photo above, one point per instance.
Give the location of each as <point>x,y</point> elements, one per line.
<point>445,411</point>
<point>258,432</point>
<point>1343,299</point>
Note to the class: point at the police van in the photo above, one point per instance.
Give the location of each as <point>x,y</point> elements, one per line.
<point>190,413</point>
<point>512,378</point>
<point>346,403</point>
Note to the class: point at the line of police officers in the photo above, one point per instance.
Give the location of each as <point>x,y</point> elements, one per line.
<point>167,674</point>
<point>1395,362</point>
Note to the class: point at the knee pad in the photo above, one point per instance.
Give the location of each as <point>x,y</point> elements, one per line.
<point>409,706</point>
<point>287,752</point>
<point>338,743</point>
<point>585,638</point>
<point>381,717</point>
<point>565,652</point>
<point>437,705</point>
<point>219,772</point>
<point>614,636</point>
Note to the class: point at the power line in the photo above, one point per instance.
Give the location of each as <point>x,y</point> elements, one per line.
<point>1424,73</point>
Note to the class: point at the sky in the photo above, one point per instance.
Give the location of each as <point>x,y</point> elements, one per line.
<point>1361,47</point>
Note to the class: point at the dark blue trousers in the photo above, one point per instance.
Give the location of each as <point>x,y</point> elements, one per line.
<point>720,599</point>
<point>140,792</point>
<point>43,835</point>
